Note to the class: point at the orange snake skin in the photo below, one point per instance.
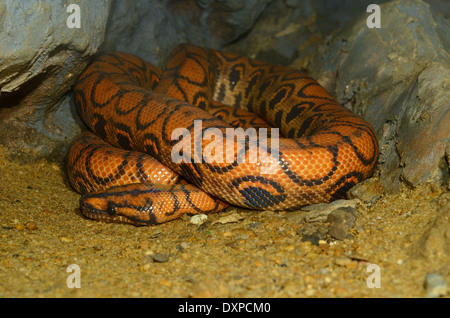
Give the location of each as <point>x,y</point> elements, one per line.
<point>126,171</point>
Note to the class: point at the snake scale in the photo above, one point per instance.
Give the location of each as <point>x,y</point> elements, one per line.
<point>125,166</point>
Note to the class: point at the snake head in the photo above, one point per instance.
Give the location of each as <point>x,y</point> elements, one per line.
<point>144,204</point>
<point>115,205</point>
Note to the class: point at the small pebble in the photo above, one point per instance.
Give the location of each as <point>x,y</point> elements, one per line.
<point>165,282</point>
<point>342,261</point>
<point>309,292</point>
<point>322,242</point>
<point>198,219</point>
<point>30,225</point>
<point>435,285</point>
<point>184,245</point>
<point>65,239</point>
<point>230,218</point>
<point>160,258</point>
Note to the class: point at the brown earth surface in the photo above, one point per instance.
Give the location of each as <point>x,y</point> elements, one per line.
<point>237,253</point>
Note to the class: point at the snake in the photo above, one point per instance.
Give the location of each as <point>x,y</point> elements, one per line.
<point>209,130</point>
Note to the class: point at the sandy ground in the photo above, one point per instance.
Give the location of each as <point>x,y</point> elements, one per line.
<point>237,253</point>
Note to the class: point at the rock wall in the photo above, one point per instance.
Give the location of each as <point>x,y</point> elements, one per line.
<point>398,77</point>
<point>41,57</point>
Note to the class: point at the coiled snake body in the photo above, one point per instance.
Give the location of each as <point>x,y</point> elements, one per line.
<point>323,149</point>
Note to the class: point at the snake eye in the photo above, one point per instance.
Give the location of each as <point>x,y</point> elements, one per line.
<point>111,209</point>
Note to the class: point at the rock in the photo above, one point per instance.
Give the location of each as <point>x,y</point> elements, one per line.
<point>65,239</point>
<point>435,285</point>
<point>434,243</point>
<point>341,214</point>
<point>312,233</point>
<point>31,226</point>
<point>233,217</point>
<point>342,261</point>
<point>319,212</point>
<point>155,28</point>
<point>368,191</point>
<point>160,258</point>
<point>41,58</point>
<point>341,220</point>
<point>424,131</point>
<point>397,78</point>
<point>198,219</point>
<point>293,32</point>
